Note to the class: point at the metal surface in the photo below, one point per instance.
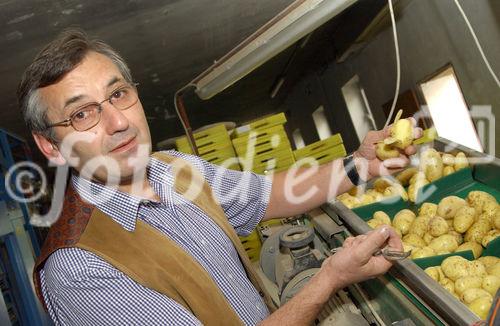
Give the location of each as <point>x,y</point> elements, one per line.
<point>434,295</point>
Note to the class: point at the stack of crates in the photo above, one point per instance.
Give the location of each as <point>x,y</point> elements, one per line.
<point>214,145</point>
<point>322,151</point>
<point>262,147</point>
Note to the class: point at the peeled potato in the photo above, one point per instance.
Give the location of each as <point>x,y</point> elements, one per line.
<point>437,226</point>
<point>464,218</point>
<point>381,183</point>
<point>447,170</point>
<point>405,176</point>
<point>478,198</point>
<point>448,159</point>
<point>431,164</point>
<point>460,161</point>
<point>402,133</point>
<point>373,223</point>
<point>427,238</point>
<point>428,209</point>
<point>384,151</point>
<point>476,248</point>
<point>448,284</point>
<point>382,216</point>
<point>457,236</point>
<point>481,306</point>
<point>491,283</point>
<point>448,206</point>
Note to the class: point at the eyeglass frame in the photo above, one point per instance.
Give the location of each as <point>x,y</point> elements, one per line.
<point>68,122</point>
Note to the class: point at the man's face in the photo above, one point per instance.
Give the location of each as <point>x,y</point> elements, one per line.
<point>119,134</point>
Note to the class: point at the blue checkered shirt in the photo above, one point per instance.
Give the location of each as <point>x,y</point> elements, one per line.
<point>80,288</point>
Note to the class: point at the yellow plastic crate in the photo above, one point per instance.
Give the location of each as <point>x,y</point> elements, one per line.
<point>265,147</point>
<point>279,164</point>
<point>221,154</point>
<point>328,155</point>
<point>318,146</point>
<point>256,134</point>
<point>220,138</point>
<point>273,120</point>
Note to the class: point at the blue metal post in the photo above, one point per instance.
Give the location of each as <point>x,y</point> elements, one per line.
<point>28,308</point>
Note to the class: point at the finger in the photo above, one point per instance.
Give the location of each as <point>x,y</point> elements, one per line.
<point>348,242</point>
<point>394,240</point>
<point>360,238</point>
<point>410,150</point>
<point>397,162</point>
<point>374,241</point>
<point>417,133</point>
<point>413,121</point>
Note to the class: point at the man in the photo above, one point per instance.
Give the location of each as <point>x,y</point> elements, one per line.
<point>80,102</point>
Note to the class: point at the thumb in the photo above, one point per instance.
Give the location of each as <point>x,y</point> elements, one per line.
<point>374,241</point>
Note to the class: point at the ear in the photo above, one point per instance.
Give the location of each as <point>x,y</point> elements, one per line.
<point>49,149</point>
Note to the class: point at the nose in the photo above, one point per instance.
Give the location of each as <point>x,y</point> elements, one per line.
<point>113,119</point>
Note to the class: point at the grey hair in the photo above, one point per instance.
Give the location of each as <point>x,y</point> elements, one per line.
<point>56,60</point>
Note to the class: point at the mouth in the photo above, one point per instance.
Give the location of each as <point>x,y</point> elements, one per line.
<point>125,146</point>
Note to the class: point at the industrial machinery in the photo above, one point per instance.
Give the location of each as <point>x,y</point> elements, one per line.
<point>406,295</point>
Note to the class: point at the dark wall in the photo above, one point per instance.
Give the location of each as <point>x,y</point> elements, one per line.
<point>431,34</point>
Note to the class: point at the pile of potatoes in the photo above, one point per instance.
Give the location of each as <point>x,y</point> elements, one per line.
<point>382,188</point>
<point>475,282</point>
<point>433,165</point>
<point>453,225</point>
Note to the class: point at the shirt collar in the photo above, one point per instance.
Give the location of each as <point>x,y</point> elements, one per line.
<point>122,207</point>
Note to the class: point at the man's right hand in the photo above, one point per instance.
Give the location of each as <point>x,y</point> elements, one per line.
<point>356,263</point>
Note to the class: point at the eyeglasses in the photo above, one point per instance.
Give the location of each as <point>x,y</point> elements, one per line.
<point>89,115</point>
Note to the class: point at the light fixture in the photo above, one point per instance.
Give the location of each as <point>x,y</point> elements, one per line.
<point>289,26</point>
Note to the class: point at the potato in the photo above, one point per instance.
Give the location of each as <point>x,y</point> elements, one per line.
<point>419,225</point>
<point>476,248</point>
<point>437,226</point>
<point>477,231</point>
<point>470,295</point>
<point>460,161</point>
<point>478,198</point>
<point>448,285</point>
<point>418,176</point>
<point>444,243</point>
<point>467,282</point>
<point>450,225</point>
<point>431,164</point>
<point>375,194</point>
<point>356,191</point>
<point>481,306</point>
<point>422,252</point>
<point>491,283</point>
<point>488,261</point>
<point>366,199</point>
<point>428,209</point>
<point>490,236</point>
<point>396,190</point>
<point>408,247</point>
<point>494,269</point>
<point>457,236</point>
<point>373,223</point>
<point>464,218</point>
<point>403,220</point>
<point>447,170</point>
<point>405,176</point>
<point>402,133</point>
<point>414,188</point>
<point>476,268</point>
<point>349,201</point>
<point>490,209</point>
<point>427,238</point>
<point>414,240</point>
<point>448,159</point>
<point>448,206</point>
<point>385,151</point>
<point>381,183</point>
<point>495,220</point>
<point>434,272</point>
<point>455,267</point>
<point>382,216</point>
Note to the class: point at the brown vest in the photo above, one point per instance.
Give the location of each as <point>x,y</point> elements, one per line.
<point>148,257</point>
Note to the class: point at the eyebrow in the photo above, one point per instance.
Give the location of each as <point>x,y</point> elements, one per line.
<point>77,98</point>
